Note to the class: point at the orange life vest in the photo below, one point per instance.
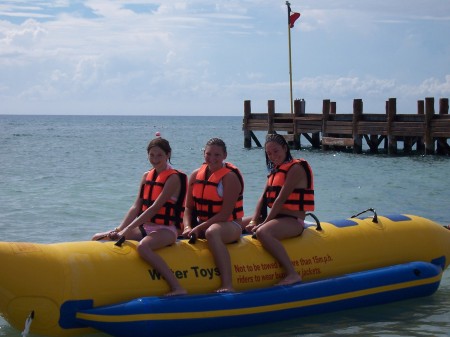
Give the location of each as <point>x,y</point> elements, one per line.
<point>301,199</point>
<point>172,211</point>
<point>207,201</point>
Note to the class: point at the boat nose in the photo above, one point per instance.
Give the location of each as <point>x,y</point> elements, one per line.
<point>44,312</point>
<point>24,288</point>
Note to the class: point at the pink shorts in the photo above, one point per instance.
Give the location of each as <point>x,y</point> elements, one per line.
<point>155,228</point>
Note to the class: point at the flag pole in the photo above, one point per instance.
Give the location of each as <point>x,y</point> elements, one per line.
<point>290,61</point>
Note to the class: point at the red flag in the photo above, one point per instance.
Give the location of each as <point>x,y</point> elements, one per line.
<point>292,18</point>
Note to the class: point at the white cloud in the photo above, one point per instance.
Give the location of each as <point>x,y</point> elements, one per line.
<point>198,53</point>
<point>431,86</point>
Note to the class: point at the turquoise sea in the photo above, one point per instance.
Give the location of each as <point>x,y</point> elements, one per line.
<point>63,178</point>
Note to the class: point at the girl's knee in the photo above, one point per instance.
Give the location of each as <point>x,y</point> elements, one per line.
<point>140,247</point>
<point>261,234</point>
<point>211,233</point>
<point>144,244</point>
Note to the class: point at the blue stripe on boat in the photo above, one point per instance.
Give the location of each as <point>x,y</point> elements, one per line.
<point>397,217</point>
<point>180,315</point>
<point>343,223</point>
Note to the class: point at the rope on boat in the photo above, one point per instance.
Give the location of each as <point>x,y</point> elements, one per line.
<point>28,321</point>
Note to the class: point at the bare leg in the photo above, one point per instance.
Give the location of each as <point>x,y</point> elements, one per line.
<point>145,249</point>
<point>270,235</point>
<point>217,236</point>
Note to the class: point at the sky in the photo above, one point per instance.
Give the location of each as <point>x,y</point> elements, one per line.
<point>203,57</point>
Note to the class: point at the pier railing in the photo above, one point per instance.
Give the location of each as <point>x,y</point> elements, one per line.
<point>427,131</point>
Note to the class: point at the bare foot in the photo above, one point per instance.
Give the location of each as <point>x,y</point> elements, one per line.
<point>176,292</point>
<point>290,279</point>
<point>225,290</point>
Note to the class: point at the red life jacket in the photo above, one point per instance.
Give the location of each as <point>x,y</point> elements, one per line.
<point>301,199</point>
<point>207,201</point>
<point>172,211</point>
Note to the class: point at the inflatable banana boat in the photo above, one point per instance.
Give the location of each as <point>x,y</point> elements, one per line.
<point>73,288</point>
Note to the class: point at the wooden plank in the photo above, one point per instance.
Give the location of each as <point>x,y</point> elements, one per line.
<point>284,115</point>
<point>411,133</point>
<point>283,127</point>
<point>332,141</point>
<point>343,123</point>
<point>309,118</point>
<point>258,116</point>
<point>338,132</point>
<point>372,124</point>
<point>373,118</point>
<point>407,129</point>
<point>309,130</point>
<point>257,124</point>
<point>339,129</point>
<point>313,123</point>
<point>340,118</point>
<point>306,121</point>
<point>407,125</point>
<point>441,127</point>
<point>257,128</point>
<point>440,134</point>
<point>409,118</point>
<point>372,128</point>
<point>441,122</point>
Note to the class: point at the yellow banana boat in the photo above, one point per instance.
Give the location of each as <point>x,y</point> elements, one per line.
<point>55,282</point>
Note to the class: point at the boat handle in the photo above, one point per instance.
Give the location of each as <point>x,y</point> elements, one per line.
<point>318,227</point>
<point>120,242</point>
<point>192,239</point>
<point>375,216</point>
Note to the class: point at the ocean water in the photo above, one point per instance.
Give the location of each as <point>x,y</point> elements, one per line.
<point>63,178</point>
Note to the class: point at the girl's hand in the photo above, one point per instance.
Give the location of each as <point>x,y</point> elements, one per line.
<point>124,232</point>
<point>100,236</point>
<point>197,230</point>
<point>110,235</point>
<point>186,232</point>
<point>254,229</point>
<point>113,235</point>
<point>252,226</point>
<point>249,228</point>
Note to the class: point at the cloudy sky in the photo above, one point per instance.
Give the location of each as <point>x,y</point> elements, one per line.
<point>202,57</point>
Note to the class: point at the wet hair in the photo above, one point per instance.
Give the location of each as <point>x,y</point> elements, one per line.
<point>217,142</point>
<point>279,139</point>
<point>162,143</point>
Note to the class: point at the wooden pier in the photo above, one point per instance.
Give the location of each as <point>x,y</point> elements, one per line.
<point>427,131</point>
